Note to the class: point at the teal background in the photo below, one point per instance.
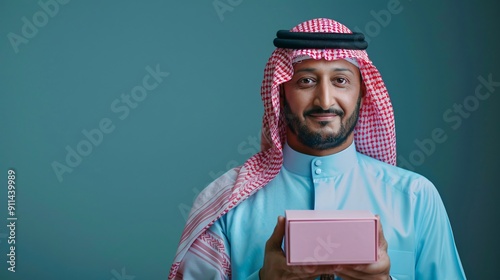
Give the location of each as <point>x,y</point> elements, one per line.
<point>120,212</point>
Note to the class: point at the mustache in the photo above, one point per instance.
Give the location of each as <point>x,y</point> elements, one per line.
<point>318,110</point>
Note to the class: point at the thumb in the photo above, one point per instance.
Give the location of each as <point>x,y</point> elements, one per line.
<point>382,243</point>
<point>274,242</point>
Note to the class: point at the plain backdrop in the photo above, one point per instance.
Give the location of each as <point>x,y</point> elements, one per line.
<point>114,207</point>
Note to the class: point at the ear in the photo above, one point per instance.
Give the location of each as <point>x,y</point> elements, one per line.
<point>362,87</point>
<point>282,96</point>
<point>362,94</point>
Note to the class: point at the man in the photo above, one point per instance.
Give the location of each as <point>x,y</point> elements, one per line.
<point>328,142</point>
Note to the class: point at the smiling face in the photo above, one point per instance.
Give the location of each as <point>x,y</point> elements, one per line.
<point>321,105</point>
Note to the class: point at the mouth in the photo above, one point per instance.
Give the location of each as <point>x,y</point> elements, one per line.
<point>323,117</point>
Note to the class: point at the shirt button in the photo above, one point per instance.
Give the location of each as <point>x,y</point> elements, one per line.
<point>317,162</point>
<point>318,171</point>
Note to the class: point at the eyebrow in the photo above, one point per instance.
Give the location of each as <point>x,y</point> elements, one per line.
<point>314,69</point>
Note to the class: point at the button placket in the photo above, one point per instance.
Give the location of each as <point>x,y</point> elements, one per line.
<point>317,163</point>
<point>323,193</point>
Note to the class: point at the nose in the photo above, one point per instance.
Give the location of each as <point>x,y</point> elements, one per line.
<point>324,95</point>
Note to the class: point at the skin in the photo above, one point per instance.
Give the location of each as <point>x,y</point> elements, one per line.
<point>323,97</point>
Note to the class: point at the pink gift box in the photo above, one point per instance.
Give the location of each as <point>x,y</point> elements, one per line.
<point>320,237</point>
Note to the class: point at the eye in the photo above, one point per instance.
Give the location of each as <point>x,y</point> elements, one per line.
<point>340,81</point>
<point>306,81</point>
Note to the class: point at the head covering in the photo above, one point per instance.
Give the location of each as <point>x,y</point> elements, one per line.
<point>374,134</point>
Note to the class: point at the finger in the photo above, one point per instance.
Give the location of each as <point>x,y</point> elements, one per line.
<point>382,243</point>
<point>381,267</point>
<point>307,272</point>
<point>325,269</point>
<point>350,272</point>
<point>274,242</point>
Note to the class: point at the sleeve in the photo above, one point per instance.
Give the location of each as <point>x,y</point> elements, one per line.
<point>208,257</point>
<point>254,276</point>
<point>436,254</point>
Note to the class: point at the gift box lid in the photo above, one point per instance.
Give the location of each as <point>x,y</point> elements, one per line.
<point>301,215</point>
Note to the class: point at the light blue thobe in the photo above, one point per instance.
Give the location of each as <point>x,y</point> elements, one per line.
<point>414,220</point>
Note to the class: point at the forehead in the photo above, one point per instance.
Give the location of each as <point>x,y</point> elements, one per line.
<point>313,65</point>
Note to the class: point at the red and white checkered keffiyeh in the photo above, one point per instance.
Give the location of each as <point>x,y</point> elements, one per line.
<point>374,136</point>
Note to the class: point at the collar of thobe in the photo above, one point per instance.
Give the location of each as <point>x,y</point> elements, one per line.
<point>322,166</point>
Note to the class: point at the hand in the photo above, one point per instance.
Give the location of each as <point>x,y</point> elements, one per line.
<point>375,271</point>
<point>275,266</point>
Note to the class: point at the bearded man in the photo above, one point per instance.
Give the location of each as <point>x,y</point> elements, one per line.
<point>328,142</point>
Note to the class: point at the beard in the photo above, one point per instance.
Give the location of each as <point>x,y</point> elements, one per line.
<point>321,140</point>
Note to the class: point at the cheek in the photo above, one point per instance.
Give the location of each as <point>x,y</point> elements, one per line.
<point>297,102</point>
<point>348,102</point>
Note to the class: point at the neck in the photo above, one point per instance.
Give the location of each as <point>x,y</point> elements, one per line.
<point>295,144</point>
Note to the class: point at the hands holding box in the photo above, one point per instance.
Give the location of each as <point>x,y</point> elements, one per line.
<point>349,244</point>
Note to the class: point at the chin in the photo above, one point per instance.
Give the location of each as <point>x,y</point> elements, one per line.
<point>326,130</point>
